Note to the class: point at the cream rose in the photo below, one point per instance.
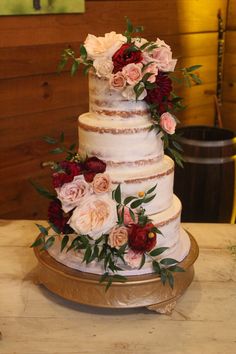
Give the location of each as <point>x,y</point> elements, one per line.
<point>130,95</point>
<point>168,123</point>
<point>103,67</point>
<point>95,216</point>
<point>101,183</point>
<point>103,46</point>
<point>132,73</point>
<point>133,259</point>
<point>118,237</point>
<point>117,81</point>
<point>72,194</point>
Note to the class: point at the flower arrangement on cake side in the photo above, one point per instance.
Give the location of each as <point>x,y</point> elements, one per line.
<point>90,218</point>
<point>140,70</point>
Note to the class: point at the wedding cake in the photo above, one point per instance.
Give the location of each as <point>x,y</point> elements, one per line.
<point>113,211</point>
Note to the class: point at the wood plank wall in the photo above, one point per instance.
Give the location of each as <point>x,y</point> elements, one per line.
<point>36,101</point>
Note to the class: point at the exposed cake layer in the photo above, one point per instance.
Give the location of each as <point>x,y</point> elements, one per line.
<point>118,140</point>
<point>140,178</point>
<point>173,237</point>
<point>110,103</point>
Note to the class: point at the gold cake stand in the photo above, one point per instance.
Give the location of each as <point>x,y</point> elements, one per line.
<point>138,291</point>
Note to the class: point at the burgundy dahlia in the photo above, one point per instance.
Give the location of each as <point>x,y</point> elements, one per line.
<point>160,95</point>
<point>124,56</point>
<point>58,218</point>
<point>69,171</point>
<point>94,164</point>
<point>142,238</point>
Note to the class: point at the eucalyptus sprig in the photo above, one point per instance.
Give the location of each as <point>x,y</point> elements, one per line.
<point>130,30</point>
<point>71,153</point>
<point>69,54</point>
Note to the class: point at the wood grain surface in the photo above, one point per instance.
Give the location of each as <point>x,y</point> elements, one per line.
<point>35,321</point>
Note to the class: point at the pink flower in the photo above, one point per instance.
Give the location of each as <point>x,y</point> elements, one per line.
<point>152,69</point>
<point>118,237</point>
<point>117,81</point>
<point>94,217</point>
<point>163,58</point>
<point>132,73</point>
<point>168,123</point>
<point>72,193</point>
<point>133,259</point>
<point>101,183</point>
<point>127,217</point>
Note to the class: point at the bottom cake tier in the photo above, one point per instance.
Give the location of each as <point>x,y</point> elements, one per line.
<point>172,236</point>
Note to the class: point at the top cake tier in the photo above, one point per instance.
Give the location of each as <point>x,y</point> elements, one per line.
<point>110,103</point>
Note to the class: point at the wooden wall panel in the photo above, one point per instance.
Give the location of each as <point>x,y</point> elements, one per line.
<point>36,101</point>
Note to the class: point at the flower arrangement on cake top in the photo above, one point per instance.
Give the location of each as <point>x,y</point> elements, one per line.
<point>140,70</point>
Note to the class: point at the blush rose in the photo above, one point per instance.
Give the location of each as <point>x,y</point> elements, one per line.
<point>168,123</point>
<point>133,259</point>
<point>132,73</point>
<point>117,81</point>
<point>94,217</point>
<point>118,237</point>
<point>101,183</point>
<point>72,193</point>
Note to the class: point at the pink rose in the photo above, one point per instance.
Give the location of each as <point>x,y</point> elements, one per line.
<point>132,73</point>
<point>133,259</point>
<point>117,81</point>
<point>71,194</point>
<point>168,123</point>
<point>127,217</point>
<point>152,69</point>
<point>101,183</point>
<point>118,237</point>
<point>94,217</point>
<point>163,58</point>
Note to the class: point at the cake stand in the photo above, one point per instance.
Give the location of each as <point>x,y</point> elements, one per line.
<point>138,291</point>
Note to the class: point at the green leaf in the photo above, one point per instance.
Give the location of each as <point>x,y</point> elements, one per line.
<point>151,189</point>
<point>87,254</point>
<point>121,250</point>
<point>103,277</point>
<point>50,140</point>
<point>136,203</point>
<point>176,268</point>
<point>168,261</point>
<point>74,68</point>
<point>192,68</point>
<point>117,194</point>
<point>158,251</point>
<point>57,150</point>
<point>163,276</point>
<point>49,243</point>
<point>99,239</point>
<point>55,228</point>
<point>149,199</point>
<point>72,147</point>
<point>41,190</point>
<point>138,29</point>
<point>196,79</point>
<point>42,229</point>
<point>83,52</point>
<point>109,283</point>
<point>129,25</point>
<point>170,279</point>
<point>156,267</point>
<point>146,76</point>
<point>86,69</point>
<point>119,278</point>
<point>129,199</point>
<point>38,242</point>
<point>64,242</point>
<point>142,261</point>
<point>132,215</point>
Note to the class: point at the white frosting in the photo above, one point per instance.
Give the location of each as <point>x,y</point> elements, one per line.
<point>105,101</point>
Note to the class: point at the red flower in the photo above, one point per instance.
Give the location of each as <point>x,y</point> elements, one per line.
<point>58,218</point>
<point>89,176</point>
<point>160,95</point>
<point>93,164</point>
<point>123,56</point>
<point>142,238</point>
<point>70,170</point>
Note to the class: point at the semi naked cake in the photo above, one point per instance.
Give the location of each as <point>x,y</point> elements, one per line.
<point>114,211</point>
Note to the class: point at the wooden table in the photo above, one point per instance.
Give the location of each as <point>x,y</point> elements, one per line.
<point>33,320</point>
